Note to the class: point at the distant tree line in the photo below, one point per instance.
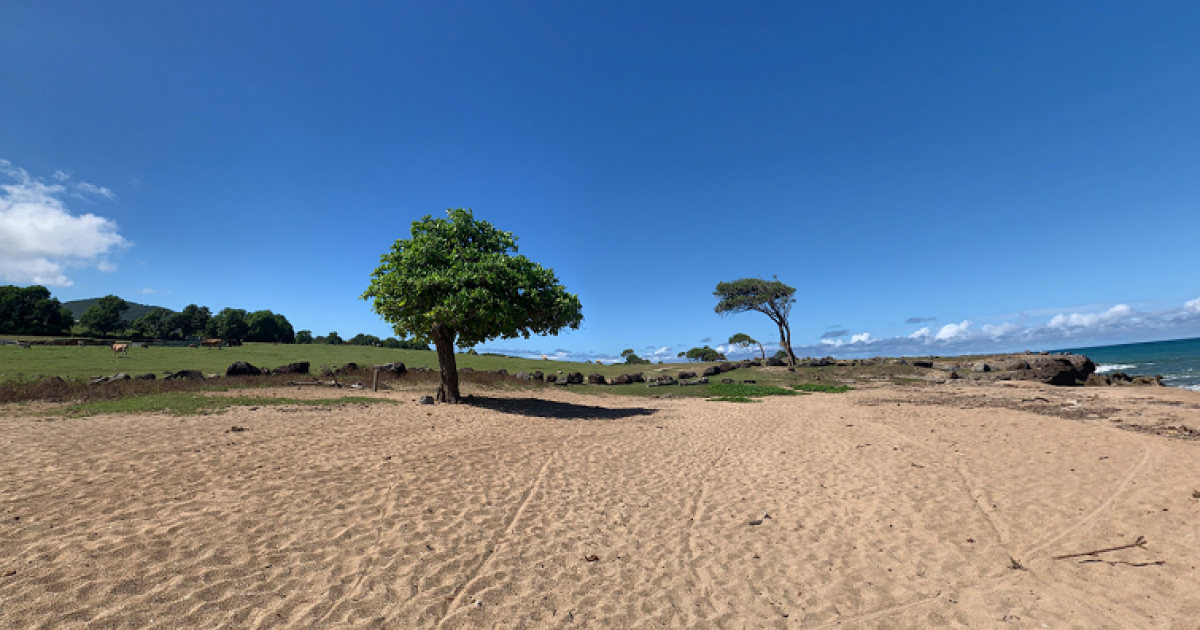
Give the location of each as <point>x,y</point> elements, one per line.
<point>361,339</point>
<point>32,311</point>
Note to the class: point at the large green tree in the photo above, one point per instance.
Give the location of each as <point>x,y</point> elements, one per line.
<point>31,311</point>
<point>104,316</point>
<point>230,323</point>
<point>458,282</point>
<point>769,297</point>
<point>158,323</point>
<point>191,320</point>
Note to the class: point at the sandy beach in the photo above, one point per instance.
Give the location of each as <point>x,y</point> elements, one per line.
<point>898,507</point>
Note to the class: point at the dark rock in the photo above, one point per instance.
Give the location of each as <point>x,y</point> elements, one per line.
<point>923,364</point>
<point>501,372</point>
<point>687,375</point>
<point>191,375</point>
<point>551,378</point>
<point>637,377</point>
<point>524,376</point>
<point>953,375</point>
<point>425,400</point>
<point>596,379</point>
<point>775,362</point>
<point>711,370</point>
<point>575,378</point>
<point>727,380</point>
<point>981,367</point>
<point>727,367</point>
<point>465,370</point>
<point>1062,370</point>
<point>298,368</point>
<point>622,379</point>
<point>537,375</point>
<point>1121,378</point>
<point>145,377</point>
<point>346,369</point>
<point>241,368</point>
<point>750,381</point>
<point>665,380</point>
<point>394,368</point>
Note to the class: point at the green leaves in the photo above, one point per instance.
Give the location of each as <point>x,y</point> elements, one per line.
<point>771,297</point>
<point>462,274</point>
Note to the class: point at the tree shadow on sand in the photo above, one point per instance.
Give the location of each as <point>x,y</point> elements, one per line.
<point>554,409</point>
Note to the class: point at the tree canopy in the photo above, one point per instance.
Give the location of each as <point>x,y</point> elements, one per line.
<point>31,311</point>
<point>742,340</point>
<point>104,316</point>
<point>702,354</point>
<point>631,357</point>
<point>458,282</point>
<point>769,297</point>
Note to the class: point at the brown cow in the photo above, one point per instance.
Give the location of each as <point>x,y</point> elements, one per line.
<point>212,343</point>
<point>120,348</point>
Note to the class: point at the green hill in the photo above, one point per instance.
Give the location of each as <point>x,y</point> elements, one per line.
<point>78,307</point>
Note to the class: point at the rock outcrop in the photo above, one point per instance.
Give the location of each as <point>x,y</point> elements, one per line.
<point>241,368</point>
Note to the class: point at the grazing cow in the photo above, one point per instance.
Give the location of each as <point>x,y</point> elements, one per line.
<point>212,343</point>
<point>120,348</point>
<point>545,358</point>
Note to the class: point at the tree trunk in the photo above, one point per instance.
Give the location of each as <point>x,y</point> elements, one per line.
<point>791,356</point>
<point>785,340</point>
<point>443,339</point>
<point>764,351</point>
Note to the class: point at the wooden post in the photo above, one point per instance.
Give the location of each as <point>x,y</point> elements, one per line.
<point>375,381</point>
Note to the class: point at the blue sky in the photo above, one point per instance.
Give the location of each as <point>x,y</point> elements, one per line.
<point>933,177</point>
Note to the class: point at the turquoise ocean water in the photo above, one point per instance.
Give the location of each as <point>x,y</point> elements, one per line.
<point>1178,361</point>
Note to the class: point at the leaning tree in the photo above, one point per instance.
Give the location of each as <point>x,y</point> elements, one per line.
<point>458,282</point>
<point>769,297</point>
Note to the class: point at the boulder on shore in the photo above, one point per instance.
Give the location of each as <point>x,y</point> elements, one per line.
<point>711,370</point>
<point>622,379</point>
<point>575,378</point>
<point>687,375</point>
<point>596,379</point>
<point>775,362</point>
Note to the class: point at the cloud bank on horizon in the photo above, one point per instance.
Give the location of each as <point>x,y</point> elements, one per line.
<point>1064,330</point>
<point>40,238</point>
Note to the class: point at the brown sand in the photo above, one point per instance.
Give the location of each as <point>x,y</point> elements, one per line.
<point>889,507</point>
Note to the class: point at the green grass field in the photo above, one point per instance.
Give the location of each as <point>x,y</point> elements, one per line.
<point>76,363</point>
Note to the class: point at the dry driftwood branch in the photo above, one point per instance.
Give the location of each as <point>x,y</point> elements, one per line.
<point>1140,542</point>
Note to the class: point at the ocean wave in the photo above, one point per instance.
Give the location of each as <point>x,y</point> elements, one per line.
<point>1101,369</point>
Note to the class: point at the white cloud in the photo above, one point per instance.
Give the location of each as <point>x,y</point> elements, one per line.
<point>861,338</point>
<point>40,238</point>
<point>147,291</point>
<point>952,332</point>
<point>1090,320</point>
<point>1192,306</point>
<point>923,333</point>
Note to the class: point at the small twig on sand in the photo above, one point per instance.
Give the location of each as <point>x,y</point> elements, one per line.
<point>1140,542</point>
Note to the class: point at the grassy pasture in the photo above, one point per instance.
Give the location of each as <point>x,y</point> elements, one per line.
<point>20,368</point>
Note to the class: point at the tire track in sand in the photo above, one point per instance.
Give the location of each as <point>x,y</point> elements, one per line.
<point>1126,479</point>
<point>478,572</point>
